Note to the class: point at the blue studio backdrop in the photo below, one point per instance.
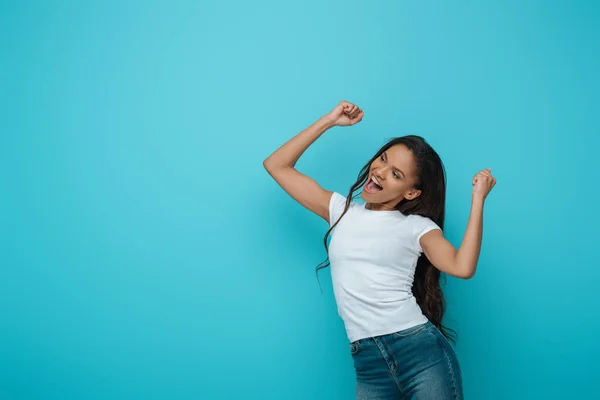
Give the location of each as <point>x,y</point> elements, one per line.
<point>146,254</point>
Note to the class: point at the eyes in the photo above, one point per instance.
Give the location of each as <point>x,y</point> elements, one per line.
<point>382,157</point>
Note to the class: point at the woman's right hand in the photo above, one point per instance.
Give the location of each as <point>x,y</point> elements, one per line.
<point>345,114</point>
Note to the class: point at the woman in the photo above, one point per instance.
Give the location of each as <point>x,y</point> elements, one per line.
<point>386,257</point>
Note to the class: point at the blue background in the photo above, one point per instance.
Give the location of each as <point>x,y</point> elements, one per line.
<point>147,254</point>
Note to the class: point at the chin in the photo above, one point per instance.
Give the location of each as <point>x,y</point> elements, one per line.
<point>376,198</point>
<point>370,197</point>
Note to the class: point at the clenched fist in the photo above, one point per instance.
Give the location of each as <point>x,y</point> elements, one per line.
<point>345,114</point>
<point>483,183</point>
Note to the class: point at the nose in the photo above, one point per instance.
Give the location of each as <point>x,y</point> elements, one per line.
<point>379,173</point>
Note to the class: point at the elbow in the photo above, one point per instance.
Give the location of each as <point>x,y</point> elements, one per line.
<point>467,274</point>
<point>273,166</point>
<point>268,164</point>
<point>464,267</point>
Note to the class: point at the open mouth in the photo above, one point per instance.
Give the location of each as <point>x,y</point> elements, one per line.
<point>372,187</point>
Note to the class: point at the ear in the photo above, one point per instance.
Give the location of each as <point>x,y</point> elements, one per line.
<point>412,194</point>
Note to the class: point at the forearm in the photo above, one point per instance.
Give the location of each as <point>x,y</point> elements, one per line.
<point>289,153</point>
<point>469,250</point>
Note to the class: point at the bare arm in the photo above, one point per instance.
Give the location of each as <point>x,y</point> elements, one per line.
<point>281,164</point>
<point>461,263</point>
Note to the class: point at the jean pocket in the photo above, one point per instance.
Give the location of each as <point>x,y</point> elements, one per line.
<point>440,335</point>
<point>354,347</point>
<point>410,331</point>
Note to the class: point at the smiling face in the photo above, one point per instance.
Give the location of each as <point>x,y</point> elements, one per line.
<point>392,178</point>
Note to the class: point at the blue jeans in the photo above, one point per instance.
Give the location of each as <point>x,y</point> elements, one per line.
<point>417,362</point>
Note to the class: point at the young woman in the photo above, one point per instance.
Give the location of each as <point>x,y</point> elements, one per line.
<point>386,257</point>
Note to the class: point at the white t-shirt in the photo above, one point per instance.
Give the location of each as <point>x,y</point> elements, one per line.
<point>373,256</point>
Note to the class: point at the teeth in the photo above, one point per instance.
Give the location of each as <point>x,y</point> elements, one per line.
<point>376,181</point>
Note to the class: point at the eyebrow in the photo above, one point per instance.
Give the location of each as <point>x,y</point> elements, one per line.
<point>395,168</point>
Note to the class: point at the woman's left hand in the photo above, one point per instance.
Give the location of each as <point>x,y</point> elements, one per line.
<point>483,182</point>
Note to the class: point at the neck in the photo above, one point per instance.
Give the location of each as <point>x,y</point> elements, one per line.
<point>379,207</point>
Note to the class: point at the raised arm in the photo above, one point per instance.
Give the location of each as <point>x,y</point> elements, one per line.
<point>281,164</point>
<point>461,263</point>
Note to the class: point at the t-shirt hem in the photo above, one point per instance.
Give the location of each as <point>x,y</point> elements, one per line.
<point>385,331</point>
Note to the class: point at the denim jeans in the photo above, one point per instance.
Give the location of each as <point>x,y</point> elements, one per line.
<point>418,362</point>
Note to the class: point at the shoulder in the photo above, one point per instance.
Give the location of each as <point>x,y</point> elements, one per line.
<point>421,225</point>
<point>337,205</point>
<point>418,219</point>
<point>339,200</point>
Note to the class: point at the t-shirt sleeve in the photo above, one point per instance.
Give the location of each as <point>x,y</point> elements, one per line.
<point>337,203</point>
<point>421,227</point>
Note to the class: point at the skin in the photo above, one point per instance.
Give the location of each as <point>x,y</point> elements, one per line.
<point>460,263</point>
<point>395,170</point>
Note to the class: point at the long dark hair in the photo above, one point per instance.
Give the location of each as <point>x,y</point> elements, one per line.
<point>431,203</point>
